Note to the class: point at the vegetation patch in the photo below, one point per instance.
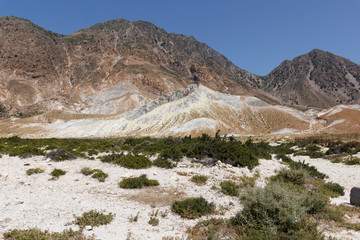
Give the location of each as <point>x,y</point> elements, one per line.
<point>95,173</point>
<point>199,179</point>
<point>229,188</point>
<point>164,163</point>
<point>34,233</point>
<point>32,171</point>
<point>332,189</point>
<point>94,218</point>
<point>56,173</point>
<point>128,161</point>
<point>192,208</point>
<point>276,209</point>
<point>153,221</point>
<point>295,176</point>
<point>138,182</point>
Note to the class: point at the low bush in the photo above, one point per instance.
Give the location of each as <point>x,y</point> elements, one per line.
<point>352,161</point>
<point>153,221</point>
<point>128,161</point>
<point>94,218</point>
<point>164,163</point>
<point>229,188</point>
<point>32,171</point>
<point>34,233</point>
<point>199,179</point>
<point>192,208</point>
<point>276,209</point>
<point>137,182</point>
<point>60,155</point>
<point>332,189</point>
<point>295,176</point>
<point>95,173</point>
<point>56,173</point>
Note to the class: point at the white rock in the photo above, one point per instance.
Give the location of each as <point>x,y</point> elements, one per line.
<point>88,228</point>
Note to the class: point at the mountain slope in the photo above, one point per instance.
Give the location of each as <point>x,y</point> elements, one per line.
<point>194,110</point>
<point>317,79</point>
<point>109,68</point>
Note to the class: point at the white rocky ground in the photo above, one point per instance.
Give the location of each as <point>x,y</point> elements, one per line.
<point>36,201</point>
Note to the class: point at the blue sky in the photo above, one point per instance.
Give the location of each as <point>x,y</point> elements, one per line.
<point>256,35</point>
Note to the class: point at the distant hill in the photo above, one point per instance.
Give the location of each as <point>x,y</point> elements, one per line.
<point>317,79</point>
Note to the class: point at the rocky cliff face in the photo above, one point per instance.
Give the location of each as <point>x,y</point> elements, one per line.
<point>109,68</point>
<point>317,79</point>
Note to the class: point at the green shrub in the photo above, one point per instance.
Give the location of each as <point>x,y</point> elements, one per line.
<point>57,173</point>
<point>135,162</point>
<point>332,189</point>
<point>229,188</point>
<point>32,171</point>
<point>153,221</point>
<point>112,158</point>
<point>192,208</point>
<point>295,176</point>
<point>312,148</point>
<point>316,155</point>
<point>138,182</point>
<point>128,161</point>
<point>95,173</point>
<point>310,169</point>
<point>277,208</point>
<point>199,179</point>
<point>352,161</point>
<point>94,218</point>
<point>164,163</point>
<point>86,171</point>
<point>34,233</point>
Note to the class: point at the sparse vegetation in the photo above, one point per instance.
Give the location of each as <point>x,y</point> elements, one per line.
<point>138,182</point>
<point>199,179</point>
<point>229,188</point>
<point>295,176</point>
<point>56,173</point>
<point>94,218</point>
<point>34,233</point>
<point>192,208</point>
<point>332,189</point>
<point>164,163</point>
<point>128,161</point>
<point>153,221</point>
<point>95,173</point>
<point>275,210</point>
<point>32,171</point>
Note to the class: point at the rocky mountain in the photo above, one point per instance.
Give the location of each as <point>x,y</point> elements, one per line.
<point>317,79</point>
<point>109,68</point>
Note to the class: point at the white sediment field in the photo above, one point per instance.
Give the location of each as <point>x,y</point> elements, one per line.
<point>36,201</point>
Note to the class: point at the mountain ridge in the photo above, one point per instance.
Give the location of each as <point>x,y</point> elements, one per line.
<point>119,65</point>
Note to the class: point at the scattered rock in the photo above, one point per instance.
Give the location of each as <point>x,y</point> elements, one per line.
<point>88,228</point>
<point>355,196</point>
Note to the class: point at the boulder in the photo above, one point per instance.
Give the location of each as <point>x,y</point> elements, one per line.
<point>355,196</point>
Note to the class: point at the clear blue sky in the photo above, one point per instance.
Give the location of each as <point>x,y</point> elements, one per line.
<point>256,35</point>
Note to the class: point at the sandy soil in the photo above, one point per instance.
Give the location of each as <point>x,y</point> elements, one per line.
<point>36,201</point>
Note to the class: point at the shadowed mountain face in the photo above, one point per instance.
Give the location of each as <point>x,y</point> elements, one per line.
<point>317,79</point>
<point>109,68</point>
